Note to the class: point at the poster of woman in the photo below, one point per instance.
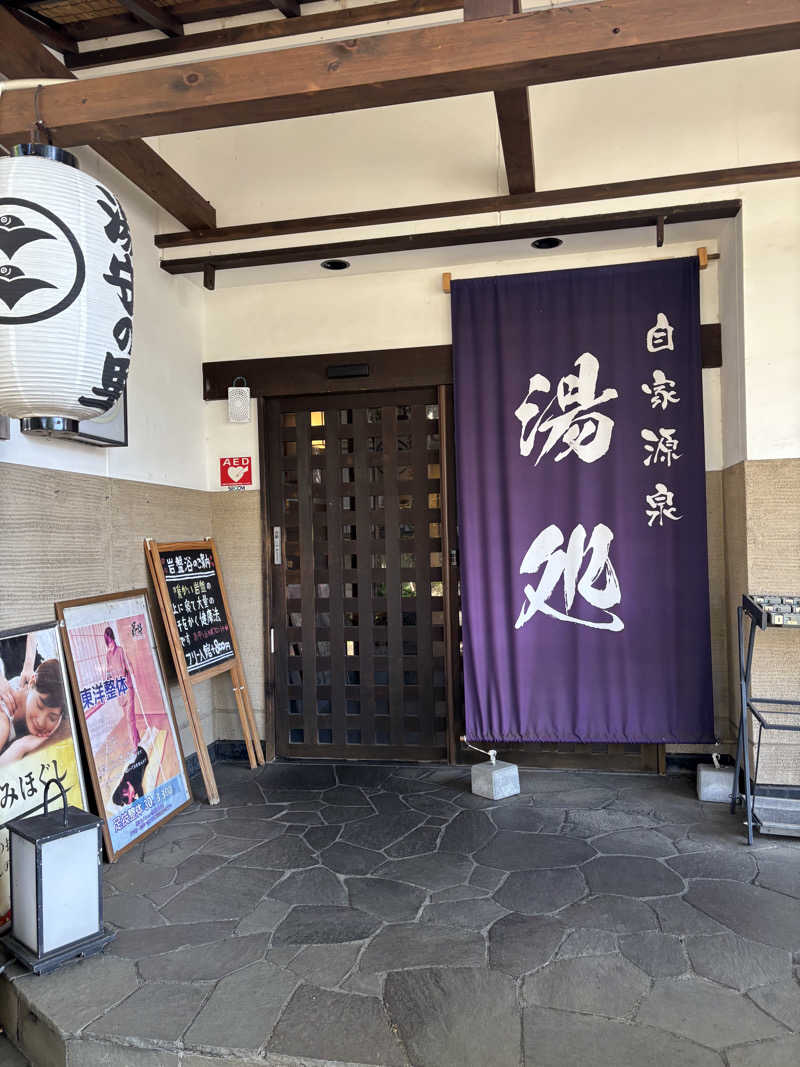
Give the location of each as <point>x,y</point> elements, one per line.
<point>125,714</point>
<point>38,739</point>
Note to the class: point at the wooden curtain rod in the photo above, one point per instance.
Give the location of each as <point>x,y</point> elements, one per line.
<point>703,257</point>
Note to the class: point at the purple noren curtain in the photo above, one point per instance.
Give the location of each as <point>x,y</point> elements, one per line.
<point>582,507</point>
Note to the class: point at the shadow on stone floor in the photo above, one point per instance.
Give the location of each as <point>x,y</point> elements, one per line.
<point>384,915</point>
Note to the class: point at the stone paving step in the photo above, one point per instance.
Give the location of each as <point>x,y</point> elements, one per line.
<point>383,915</point>
<point>9,1056</point>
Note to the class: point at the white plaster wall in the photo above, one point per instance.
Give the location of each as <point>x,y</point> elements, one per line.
<point>771,306</point>
<point>676,120</point>
<point>166,417</point>
<point>338,313</point>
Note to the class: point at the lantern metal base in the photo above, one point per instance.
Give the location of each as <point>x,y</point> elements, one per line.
<point>50,426</point>
<point>89,946</point>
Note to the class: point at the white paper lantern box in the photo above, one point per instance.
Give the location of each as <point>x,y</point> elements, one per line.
<point>56,887</point>
<point>66,290</point>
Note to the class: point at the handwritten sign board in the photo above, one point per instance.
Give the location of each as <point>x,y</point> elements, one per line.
<point>194,607</point>
<point>198,607</point>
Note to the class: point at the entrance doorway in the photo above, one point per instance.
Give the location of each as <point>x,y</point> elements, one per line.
<point>358,590</point>
<point>364,596</point>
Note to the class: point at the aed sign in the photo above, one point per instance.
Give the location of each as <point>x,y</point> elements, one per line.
<point>235,471</point>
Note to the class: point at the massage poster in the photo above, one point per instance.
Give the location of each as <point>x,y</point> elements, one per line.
<point>126,715</point>
<point>38,740</point>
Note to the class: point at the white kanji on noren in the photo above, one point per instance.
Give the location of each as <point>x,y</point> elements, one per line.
<point>659,337</point>
<point>661,505</point>
<point>578,574</point>
<point>662,391</point>
<point>574,421</point>
<point>661,447</point>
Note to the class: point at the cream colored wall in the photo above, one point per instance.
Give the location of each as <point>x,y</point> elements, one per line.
<point>603,129</point>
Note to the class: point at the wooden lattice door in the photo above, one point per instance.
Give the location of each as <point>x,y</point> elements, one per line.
<point>358,605</point>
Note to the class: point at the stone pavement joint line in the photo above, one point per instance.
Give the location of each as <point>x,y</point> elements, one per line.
<point>382,915</point>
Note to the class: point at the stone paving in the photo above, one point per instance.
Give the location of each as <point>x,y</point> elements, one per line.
<point>358,914</point>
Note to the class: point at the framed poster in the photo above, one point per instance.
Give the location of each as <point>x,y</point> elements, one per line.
<point>38,739</point>
<point>124,710</point>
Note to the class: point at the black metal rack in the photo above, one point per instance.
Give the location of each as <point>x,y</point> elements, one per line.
<point>763,612</point>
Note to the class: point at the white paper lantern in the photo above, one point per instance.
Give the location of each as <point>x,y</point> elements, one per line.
<point>66,289</point>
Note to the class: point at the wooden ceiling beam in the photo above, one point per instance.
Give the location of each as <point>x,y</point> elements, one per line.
<point>582,194</point>
<point>552,45</point>
<point>341,19</point>
<point>290,9</point>
<point>23,56</point>
<point>186,10</point>
<point>154,17</point>
<point>473,235</point>
<point>512,106</point>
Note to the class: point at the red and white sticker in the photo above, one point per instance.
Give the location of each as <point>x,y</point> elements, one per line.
<point>235,470</point>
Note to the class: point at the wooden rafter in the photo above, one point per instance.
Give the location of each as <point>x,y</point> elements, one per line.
<point>156,18</point>
<point>188,11</point>
<point>373,246</point>
<point>512,106</point>
<point>558,44</point>
<point>341,19</point>
<point>48,31</point>
<point>23,56</point>
<point>582,194</point>
<point>288,8</point>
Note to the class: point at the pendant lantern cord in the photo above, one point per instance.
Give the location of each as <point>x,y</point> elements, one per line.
<point>39,126</point>
<point>491,753</point>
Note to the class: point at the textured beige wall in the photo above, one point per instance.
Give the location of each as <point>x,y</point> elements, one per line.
<point>772,498</point>
<point>66,535</point>
<point>718,596</point>
<point>737,580</point>
<point>236,524</point>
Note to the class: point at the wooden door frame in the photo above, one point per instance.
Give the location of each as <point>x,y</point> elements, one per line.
<point>386,371</point>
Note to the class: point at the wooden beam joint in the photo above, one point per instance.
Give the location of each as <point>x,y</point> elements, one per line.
<point>512,106</point>
<point>154,17</point>
<point>431,62</point>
